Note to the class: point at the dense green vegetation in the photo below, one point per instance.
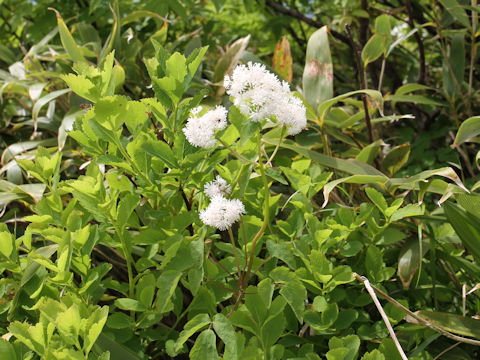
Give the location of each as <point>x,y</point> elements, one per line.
<point>333,215</point>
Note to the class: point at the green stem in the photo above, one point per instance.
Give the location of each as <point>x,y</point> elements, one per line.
<point>277,147</point>
<point>129,261</point>
<point>267,210</point>
<point>240,279</point>
<point>239,174</point>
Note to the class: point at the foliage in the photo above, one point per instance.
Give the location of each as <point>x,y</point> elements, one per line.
<point>103,253</point>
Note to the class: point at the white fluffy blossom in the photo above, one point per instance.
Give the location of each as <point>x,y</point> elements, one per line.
<point>260,95</point>
<point>200,130</point>
<point>222,212</point>
<point>218,187</point>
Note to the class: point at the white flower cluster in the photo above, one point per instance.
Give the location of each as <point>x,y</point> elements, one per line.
<point>200,131</point>
<point>221,212</point>
<point>217,187</point>
<point>260,95</point>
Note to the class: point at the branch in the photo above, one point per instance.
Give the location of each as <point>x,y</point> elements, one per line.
<point>420,320</point>
<point>418,39</point>
<point>384,317</point>
<point>363,80</point>
<point>292,12</point>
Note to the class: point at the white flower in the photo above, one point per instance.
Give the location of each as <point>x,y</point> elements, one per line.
<point>217,187</point>
<point>200,131</point>
<point>222,213</point>
<point>260,95</point>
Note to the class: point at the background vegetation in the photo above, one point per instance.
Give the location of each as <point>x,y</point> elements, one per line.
<point>102,253</point>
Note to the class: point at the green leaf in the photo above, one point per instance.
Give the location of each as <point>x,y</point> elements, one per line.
<point>282,251</point>
<point>416,99</point>
<point>374,48</point>
<point>7,351</point>
<point>408,211</point>
<point>354,179</point>
<point>322,109</point>
<point>224,329</point>
<point>293,290</point>
<point>255,305</point>
<point>350,166</point>
<point>126,207</point>
<point>470,202</point>
<point>120,320</point>
<point>145,290</point>
<point>389,350</point>
<point>377,198</point>
<point>82,86</point>
<point>351,343</point>
<point>374,263</point>
<point>162,151</point>
<point>455,323</point>
<point>468,129</point>
<point>318,73</point>
<point>176,67</point>
<point>373,355</point>
<point>178,8</point>
<point>111,111</point>
<point>45,100</point>
<point>129,304</point>
<point>195,324</point>
<point>467,228</point>
<point>32,336</point>
<point>396,158</point>
<point>409,260</point>
<point>407,88</point>
<point>68,324</point>
<point>369,152</point>
<point>329,315</point>
<point>117,350</point>
<point>7,243</point>
<point>95,323</point>
<point>67,40</point>
<point>166,283</point>
<point>457,11</point>
<point>205,346</point>
<point>274,325</point>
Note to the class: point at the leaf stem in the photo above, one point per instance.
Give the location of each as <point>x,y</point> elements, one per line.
<point>282,133</point>
<point>240,279</point>
<point>267,210</point>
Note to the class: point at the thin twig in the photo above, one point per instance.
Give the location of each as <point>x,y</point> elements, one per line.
<point>420,320</point>
<point>363,81</point>
<point>473,50</point>
<point>418,39</point>
<point>447,350</point>
<point>240,279</point>
<point>295,13</point>
<point>384,317</point>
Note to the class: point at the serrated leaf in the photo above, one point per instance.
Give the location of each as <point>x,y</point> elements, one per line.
<point>191,327</point>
